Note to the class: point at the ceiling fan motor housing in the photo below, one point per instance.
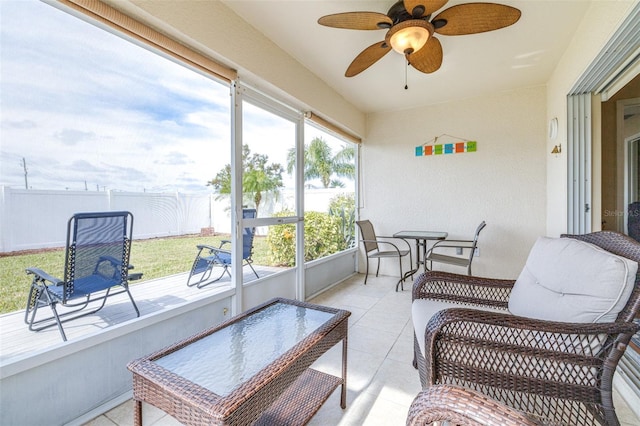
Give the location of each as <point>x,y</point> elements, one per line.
<point>398,13</point>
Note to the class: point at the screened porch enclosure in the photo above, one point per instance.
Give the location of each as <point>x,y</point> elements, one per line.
<point>193,146</point>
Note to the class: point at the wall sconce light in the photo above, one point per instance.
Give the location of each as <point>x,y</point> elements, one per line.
<point>553,128</point>
<point>557,149</point>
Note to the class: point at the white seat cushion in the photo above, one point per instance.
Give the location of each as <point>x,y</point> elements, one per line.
<point>572,281</point>
<point>423,309</point>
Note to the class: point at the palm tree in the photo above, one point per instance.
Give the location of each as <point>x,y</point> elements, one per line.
<point>258,177</point>
<point>320,163</point>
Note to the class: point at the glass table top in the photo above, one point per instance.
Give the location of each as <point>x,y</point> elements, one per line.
<point>423,235</point>
<point>230,356</point>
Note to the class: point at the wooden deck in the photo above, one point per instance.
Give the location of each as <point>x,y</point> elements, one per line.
<point>16,341</point>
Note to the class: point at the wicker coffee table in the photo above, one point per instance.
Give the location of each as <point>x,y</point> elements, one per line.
<point>253,368</point>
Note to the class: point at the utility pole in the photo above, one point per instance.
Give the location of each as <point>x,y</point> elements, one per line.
<point>24,166</point>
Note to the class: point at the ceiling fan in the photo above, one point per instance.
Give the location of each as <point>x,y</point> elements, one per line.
<point>410,29</point>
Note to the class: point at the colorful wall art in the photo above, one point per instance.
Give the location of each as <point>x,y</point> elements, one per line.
<point>446,148</point>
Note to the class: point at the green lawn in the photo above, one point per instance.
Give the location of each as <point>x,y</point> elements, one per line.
<point>156,257</point>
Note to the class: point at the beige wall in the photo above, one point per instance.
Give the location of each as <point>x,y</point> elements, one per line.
<point>502,183</point>
<point>598,26</point>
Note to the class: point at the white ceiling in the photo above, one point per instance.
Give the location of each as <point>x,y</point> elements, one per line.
<point>522,55</point>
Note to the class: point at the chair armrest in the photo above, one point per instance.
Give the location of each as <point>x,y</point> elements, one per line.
<point>213,249</point>
<point>458,244</point>
<point>217,250</point>
<point>452,244</point>
<point>382,242</point>
<point>40,275</point>
<point>465,407</point>
<point>395,246</point>
<point>206,247</point>
<point>113,261</point>
<point>389,237</point>
<point>520,354</point>
<point>451,287</point>
<point>117,264</point>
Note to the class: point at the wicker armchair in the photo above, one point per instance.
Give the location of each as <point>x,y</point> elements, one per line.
<point>463,407</point>
<point>557,372</point>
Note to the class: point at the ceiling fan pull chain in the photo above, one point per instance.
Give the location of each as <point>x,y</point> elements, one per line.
<point>406,67</point>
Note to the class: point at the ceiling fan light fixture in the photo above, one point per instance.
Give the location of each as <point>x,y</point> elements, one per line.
<point>409,36</point>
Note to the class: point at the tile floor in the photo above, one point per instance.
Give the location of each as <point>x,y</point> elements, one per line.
<point>381,381</point>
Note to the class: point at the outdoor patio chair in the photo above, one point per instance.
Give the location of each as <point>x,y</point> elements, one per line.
<point>372,248</point>
<point>546,344</point>
<point>96,262</point>
<point>455,405</point>
<point>464,245</point>
<point>209,257</point>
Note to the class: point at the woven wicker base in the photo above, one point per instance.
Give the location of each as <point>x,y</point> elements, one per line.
<point>284,392</point>
<point>302,400</point>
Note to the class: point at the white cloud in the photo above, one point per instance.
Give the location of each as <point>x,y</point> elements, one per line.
<point>83,105</point>
<point>87,109</point>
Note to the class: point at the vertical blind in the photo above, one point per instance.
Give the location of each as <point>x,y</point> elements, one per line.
<point>579,164</point>
<point>614,61</point>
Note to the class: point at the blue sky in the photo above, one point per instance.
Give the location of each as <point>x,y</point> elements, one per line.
<point>81,104</point>
<point>88,109</point>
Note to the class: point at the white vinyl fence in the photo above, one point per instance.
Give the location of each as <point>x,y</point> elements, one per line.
<point>34,219</point>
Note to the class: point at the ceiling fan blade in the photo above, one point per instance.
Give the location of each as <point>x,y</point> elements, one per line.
<point>427,7</point>
<point>357,21</point>
<point>429,58</point>
<point>472,18</point>
<point>367,57</point>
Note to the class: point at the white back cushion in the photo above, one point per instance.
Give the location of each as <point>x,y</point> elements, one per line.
<point>572,281</point>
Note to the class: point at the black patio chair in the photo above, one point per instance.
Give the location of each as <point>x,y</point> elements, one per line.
<point>96,262</point>
<point>210,257</point>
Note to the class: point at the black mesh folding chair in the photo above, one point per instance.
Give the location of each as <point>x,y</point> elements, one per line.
<point>210,258</point>
<point>96,264</point>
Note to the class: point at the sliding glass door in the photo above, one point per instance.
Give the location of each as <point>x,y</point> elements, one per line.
<point>266,201</point>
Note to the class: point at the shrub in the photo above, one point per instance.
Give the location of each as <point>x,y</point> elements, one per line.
<point>282,242</point>
<point>323,236</point>
<point>343,206</point>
